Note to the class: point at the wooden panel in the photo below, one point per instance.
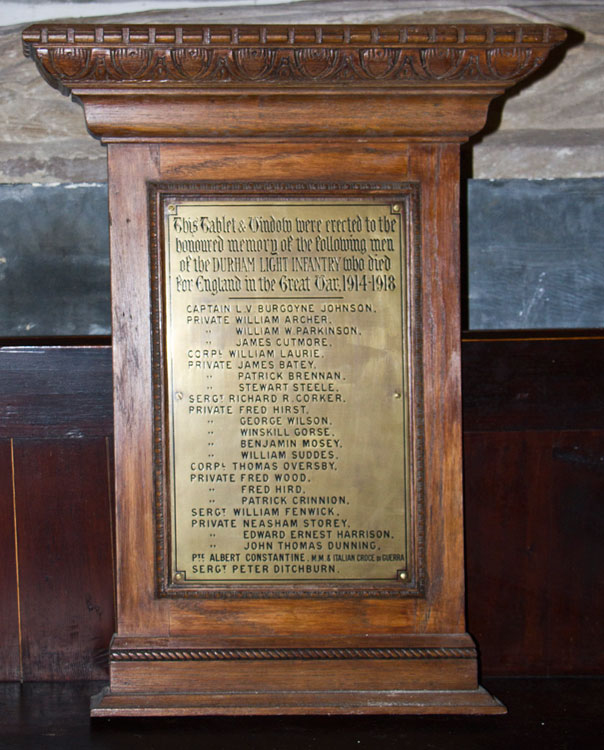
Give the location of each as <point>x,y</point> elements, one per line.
<point>534,521</point>
<point>251,116</point>
<point>505,559</point>
<point>347,101</point>
<point>542,383</point>
<point>48,391</point>
<point>62,499</point>
<point>438,172</point>
<point>338,158</point>
<point>534,483</point>
<point>10,668</point>
<point>139,608</point>
<point>576,561</point>
<point>133,400</point>
<point>533,507</point>
<point>324,675</point>
<point>441,608</point>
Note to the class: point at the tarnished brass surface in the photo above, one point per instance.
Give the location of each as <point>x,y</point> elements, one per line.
<point>285,335</point>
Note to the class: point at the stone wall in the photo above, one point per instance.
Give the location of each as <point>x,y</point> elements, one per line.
<point>534,252</point>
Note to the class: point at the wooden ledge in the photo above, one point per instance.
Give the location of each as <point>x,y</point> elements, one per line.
<point>358,702</point>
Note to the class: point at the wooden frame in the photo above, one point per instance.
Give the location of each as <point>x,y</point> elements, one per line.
<point>332,105</point>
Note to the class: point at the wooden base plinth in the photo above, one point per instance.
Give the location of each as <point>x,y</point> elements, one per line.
<point>412,674</point>
<point>477,701</point>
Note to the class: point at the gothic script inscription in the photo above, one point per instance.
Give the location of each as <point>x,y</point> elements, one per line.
<point>287,390</point>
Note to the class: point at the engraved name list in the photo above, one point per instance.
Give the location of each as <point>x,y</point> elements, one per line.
<point>287,394</point>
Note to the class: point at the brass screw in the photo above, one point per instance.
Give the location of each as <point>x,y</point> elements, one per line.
<point>402,575</point>
<point>171,208</point>
<point>396,208</point>
<point>179,396</point>
<point>178,577</point>
<point>396,394</point>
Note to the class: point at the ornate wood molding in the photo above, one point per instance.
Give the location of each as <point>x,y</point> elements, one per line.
<point>287,654</point>
<point>216,56</point>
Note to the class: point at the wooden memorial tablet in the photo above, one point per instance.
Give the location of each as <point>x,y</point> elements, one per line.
<point>285,296</point>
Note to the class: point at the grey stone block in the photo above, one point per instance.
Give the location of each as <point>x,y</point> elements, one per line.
<point>535,257</point>
<point>54,260</point>
<point>536,253</point>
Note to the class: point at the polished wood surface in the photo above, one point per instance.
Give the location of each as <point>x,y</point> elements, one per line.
<point>533,414</point>
<point>54,390</point>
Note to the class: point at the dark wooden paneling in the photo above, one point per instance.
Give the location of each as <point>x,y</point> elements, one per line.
<point>534,384</point>
<point>62,497</point>
<point>534,483</point>
<point>9,607</point>
<point>507,385</point>
<point>49,391</point>
<point>576,563</point>
<point>534,510</point>
<point>534,502</point>
<point>55,402</point>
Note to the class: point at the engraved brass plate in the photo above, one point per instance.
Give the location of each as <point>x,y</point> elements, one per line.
<point>286,390</point>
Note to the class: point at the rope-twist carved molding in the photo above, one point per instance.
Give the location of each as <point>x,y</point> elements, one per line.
<point>278,654</point>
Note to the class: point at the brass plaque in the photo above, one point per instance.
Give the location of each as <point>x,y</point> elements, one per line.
<point>287,399</point>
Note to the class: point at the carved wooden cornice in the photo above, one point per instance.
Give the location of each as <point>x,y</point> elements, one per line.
<point>286,70</point>
<point>185,56</point>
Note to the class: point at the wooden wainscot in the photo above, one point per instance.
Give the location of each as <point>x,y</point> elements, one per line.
<point>286,349</point>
